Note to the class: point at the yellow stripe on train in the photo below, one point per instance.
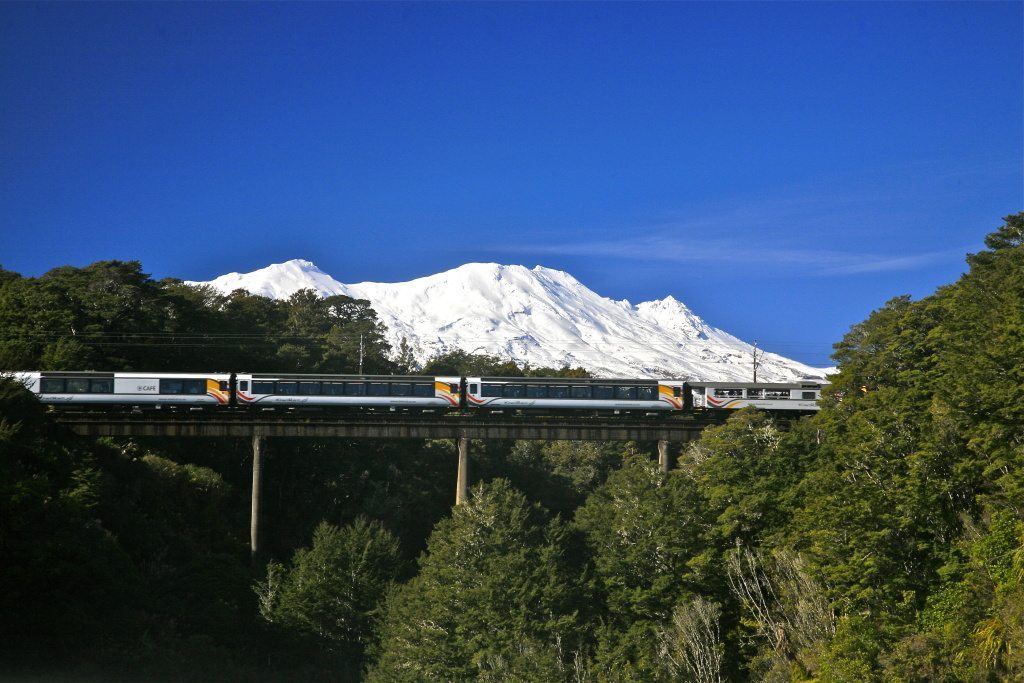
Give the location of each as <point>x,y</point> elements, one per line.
<point>213,389</point>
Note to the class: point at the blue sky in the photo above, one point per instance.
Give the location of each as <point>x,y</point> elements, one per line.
<point>782,168</point>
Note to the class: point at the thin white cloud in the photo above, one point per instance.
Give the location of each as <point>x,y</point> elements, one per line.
<point>775,234</point>
<point>723,252</point>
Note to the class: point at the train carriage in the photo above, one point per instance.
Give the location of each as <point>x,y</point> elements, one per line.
<point>129,388</point>
<point>554,394</point>
<point>797,396</point>
<point>391,392</point>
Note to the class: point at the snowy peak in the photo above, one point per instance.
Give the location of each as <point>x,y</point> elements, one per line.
<point>539,316</point>
<point>671,314</point>
<point>279,280</point>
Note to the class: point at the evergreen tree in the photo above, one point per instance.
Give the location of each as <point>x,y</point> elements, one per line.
<point>330,592</point>
<point>643,529</point>
<point>493,599</point>
<point>746,470</point>
<point>462,363</point>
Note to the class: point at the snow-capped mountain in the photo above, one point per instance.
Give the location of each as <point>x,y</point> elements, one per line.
<point>539,316</point>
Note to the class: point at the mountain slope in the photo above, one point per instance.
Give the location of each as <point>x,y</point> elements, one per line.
<point>539,316</point>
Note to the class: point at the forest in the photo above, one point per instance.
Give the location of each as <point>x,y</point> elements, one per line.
<point>881,539</point>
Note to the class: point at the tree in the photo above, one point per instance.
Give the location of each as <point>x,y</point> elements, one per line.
<point>462,363</point>
<point>331,591</point>
<point>643,528</point>
<point>692,645</point>
<point>557,474</point>
<point>746,469</point>
<point>493,599</point>
<point>68,586</point>
<point>332,334</point>
<point>405,360</point>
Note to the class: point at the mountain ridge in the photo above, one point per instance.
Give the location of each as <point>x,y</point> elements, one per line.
<point>540,316</point>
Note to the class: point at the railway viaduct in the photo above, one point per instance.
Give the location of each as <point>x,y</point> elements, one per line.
<point>461,428</point>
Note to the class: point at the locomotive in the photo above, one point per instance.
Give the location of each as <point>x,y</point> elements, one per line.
<point>410,393</point>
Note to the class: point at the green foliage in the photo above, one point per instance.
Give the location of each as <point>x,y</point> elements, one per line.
<point>330,592</point>
<point>642,528</point>
<point>746,470</point>
<point>972,627</point>
<point>877,514</point>
<point>405,361</point>
<point>852,655</point>
<point>493,599</point>
<point>557,474</point>
<point>60,568</point>
<point>922,436</point>
<point>462,363</point>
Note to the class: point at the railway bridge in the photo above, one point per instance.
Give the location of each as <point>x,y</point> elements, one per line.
<point>384,425</point>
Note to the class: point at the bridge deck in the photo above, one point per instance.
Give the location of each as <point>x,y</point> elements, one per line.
<point>386,426</point>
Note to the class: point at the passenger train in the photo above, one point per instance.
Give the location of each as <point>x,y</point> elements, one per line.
<point>525,395</point>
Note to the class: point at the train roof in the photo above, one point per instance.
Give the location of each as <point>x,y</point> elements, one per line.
<point>801,384</point>
<point>342,378</point>
<point>568,380</point>
<point>130,375</point>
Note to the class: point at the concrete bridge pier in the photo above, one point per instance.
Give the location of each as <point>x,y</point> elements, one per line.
<point>259,446</point>
<point>664,459</point>
<point>462,480</point>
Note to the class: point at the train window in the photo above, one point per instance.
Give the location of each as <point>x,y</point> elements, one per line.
<point>101,386</point>
<point>558,392</point>
<point>776,393</point>
<point>377,389</point>
<point>52,386</point>
<point>421,389</point>
<point>243,385</point>
<point>809,395</point>
<point>645,393</point>
<point>287,388</point>
<point>677,392</point>
<point>604,393</point>
<point>332,388</point>
<point>309,388</point>
<point>514,391</point>
<point>755,393</point>
<point>223,385</point>
<point>194,386</point>
<point>729,393</point>
<point>626,393</point>
<point>401,389</point>
<point>580,392</point>
<point>536,391</point>
<point>262,387</point>
<point>453,387</point>
<point>170,386</point>
<point>492,390</point>
<point>355,389</point>
<point>78,386</point>
<point>474,388</point>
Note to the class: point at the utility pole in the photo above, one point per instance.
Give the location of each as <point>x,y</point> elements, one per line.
<point>755,361</point>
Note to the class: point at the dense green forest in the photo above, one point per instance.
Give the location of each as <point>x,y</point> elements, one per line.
<point>879,540</point>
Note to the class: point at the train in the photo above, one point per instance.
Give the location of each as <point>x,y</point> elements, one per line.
<point>409,393</point>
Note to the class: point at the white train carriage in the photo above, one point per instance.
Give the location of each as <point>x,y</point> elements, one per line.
<point>128,388</point>
<point>390,392</point>
<point>548,393</point>
<point>766,396</point>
